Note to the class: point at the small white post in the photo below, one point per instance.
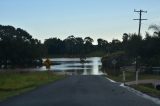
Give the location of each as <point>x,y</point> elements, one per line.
<point>124,76</point>
<point>115,68</point>
<point>137,77</point>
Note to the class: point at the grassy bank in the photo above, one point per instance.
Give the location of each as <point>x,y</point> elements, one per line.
<point>15,83</point>
<point>145,88</point>
<point>130,76</point>
<point>148,89</point>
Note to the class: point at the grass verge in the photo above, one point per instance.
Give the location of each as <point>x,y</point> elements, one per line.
<point>148,89</point>
<point>145,88</point>
<point>15,83</point>
<point>130,76</point>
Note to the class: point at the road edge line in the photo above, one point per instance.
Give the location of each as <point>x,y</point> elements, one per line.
<point>141,94</point>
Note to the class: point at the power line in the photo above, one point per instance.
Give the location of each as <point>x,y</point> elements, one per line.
<point>140,19</point>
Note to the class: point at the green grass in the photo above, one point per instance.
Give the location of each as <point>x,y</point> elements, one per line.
<point>148,89</point>
<point>145,88</point>
<point>130,76</point>
<point>149,76</point>
<point>12,83</point>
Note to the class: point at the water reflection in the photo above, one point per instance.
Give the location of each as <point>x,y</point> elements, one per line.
<point>90,67</point>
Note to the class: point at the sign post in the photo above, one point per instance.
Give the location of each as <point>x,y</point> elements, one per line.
<point>47,63</point>
<point>137,77</point>
<point>114,62</point>
<point>124,77</point>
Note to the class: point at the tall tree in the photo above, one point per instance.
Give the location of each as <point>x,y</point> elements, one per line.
<point>17,47</point>
<point>88,44</point>
<point>102,44</point>
<point>54,46</point>
<point>70,43</point>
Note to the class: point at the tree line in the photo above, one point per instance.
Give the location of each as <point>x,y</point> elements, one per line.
<point>19,48</point>
<point>74,46</point>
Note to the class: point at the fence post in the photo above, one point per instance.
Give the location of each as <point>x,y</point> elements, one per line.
<point>137,72</point>
<point>124,77</point>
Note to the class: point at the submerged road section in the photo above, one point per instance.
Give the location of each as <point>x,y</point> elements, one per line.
<point>79,91</point>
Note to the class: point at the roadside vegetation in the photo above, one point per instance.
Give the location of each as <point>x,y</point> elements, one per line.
<point>15,83</point>
<point>145,88</point>
<point>148,89</point>
<point>130,76</point>
<point>135,53</point>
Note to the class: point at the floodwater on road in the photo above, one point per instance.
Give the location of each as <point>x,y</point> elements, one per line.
<point>91,66</point>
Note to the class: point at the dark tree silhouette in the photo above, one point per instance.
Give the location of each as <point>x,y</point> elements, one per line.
<point>17,47</point>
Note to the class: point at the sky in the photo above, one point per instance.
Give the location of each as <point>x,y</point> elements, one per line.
<point>107,19</point>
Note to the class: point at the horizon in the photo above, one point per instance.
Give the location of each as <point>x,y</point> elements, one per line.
<point>60,18</point>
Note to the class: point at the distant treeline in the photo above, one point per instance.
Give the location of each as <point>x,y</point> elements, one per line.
<point>19,48</point>
<point>74,46</point>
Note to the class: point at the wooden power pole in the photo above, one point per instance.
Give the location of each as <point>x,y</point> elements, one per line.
<point>140,19</point>
<point>139,32</point>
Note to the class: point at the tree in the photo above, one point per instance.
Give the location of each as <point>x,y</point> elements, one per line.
<point>102,44</point>
<point>54,46</point>
<point>156,29</point>
<point>88,44</point>
<point>88,40</point>
<point>120,58</point>
<point>115,45</point>
<point>125,37</point>
<point>151,50</point>
<point>134,45</point>
<point>79,46</point>
<point>70,43</point>
<point>17,47</point>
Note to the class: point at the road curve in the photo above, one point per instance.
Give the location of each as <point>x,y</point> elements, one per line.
<point>79,91</point>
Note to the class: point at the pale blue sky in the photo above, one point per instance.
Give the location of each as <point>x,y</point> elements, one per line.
<point>105,19</point>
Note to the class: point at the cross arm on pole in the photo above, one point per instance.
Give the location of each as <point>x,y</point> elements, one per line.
<point>140,19</point>
<point>140,11</point>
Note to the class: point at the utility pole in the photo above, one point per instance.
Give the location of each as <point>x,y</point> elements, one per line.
<point>139,32</point>
<point>140,19</point>
<point>140,22</point>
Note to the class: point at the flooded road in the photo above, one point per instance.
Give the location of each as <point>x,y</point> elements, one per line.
<point>91,66</point>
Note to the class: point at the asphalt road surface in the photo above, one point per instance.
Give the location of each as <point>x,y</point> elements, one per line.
<point>79,91</point>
